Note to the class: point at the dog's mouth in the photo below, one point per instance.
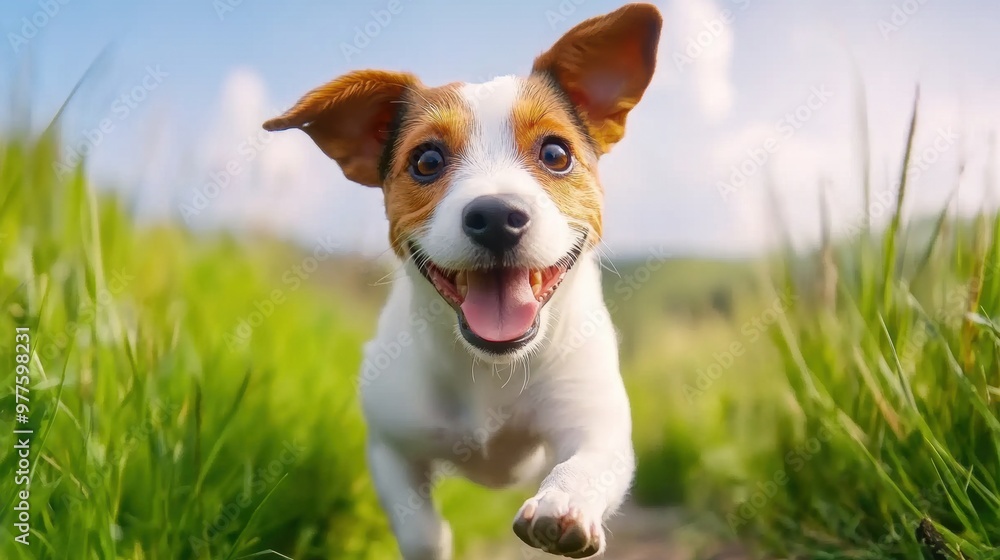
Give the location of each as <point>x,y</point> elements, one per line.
<point>498,307</point>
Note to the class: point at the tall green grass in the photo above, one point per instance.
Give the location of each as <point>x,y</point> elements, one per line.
<point>186,402</point>
<point>843,406</point>
<point>891,437</point>
<point>866,424</point>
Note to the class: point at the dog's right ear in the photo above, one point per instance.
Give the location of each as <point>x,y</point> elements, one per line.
<point>350,119</point>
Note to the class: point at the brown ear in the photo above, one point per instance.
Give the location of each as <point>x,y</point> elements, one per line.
<point>604,65</point>
<point>350,119</point>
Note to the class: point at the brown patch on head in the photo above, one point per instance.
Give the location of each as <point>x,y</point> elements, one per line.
<point>439,116</point>
<point>543,112</point>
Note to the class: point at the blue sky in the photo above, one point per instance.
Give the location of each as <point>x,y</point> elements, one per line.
<point>766,85</point>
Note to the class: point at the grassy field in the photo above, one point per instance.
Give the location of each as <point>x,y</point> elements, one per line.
<point>193,397</point>
<point>190,398</point>
<point>849,408</point>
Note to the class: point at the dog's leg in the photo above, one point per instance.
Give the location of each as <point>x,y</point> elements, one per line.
<point>566,516</point>
<point>402,486</point>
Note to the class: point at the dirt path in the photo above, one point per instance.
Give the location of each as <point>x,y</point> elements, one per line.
<point>660,534</point>
<point>637,534</point>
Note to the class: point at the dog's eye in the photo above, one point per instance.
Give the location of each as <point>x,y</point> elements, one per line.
<point>555,156</point>
<point>426,162</point>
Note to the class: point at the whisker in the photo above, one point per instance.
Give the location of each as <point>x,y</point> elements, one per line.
<point>527,375</point>
<point>601,255</point>
<point>510,375</point>
<point>381,281</point>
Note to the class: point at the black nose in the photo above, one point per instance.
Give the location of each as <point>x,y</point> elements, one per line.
<point>495,222</point>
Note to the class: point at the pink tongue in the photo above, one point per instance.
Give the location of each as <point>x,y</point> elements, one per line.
<point>500,305</point>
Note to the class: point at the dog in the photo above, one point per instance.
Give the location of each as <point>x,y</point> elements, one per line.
<point>494,207</point>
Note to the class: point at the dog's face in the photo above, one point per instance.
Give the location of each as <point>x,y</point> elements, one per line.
<point>491,190</point>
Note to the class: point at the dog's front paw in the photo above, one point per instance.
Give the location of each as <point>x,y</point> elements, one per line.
<point>552,522</point>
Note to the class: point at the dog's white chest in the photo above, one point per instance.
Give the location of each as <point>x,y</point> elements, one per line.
<point>476,417</point>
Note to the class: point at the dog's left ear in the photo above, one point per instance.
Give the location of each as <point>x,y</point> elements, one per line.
<point>604,65</point>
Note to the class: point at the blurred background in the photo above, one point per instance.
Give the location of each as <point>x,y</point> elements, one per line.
<point>801,258</point>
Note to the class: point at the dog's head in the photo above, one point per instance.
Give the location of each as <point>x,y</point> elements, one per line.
<point>491,189</point>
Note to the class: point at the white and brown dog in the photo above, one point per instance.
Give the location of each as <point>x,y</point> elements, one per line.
<point>494,202</point>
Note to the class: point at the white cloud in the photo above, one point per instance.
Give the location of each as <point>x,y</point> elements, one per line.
<point>683,139</point>
<point>696,51</point>
<point>280,182</point>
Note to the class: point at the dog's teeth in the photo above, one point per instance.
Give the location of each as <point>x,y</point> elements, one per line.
<point>461,283</point>
<point>536,282</point>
